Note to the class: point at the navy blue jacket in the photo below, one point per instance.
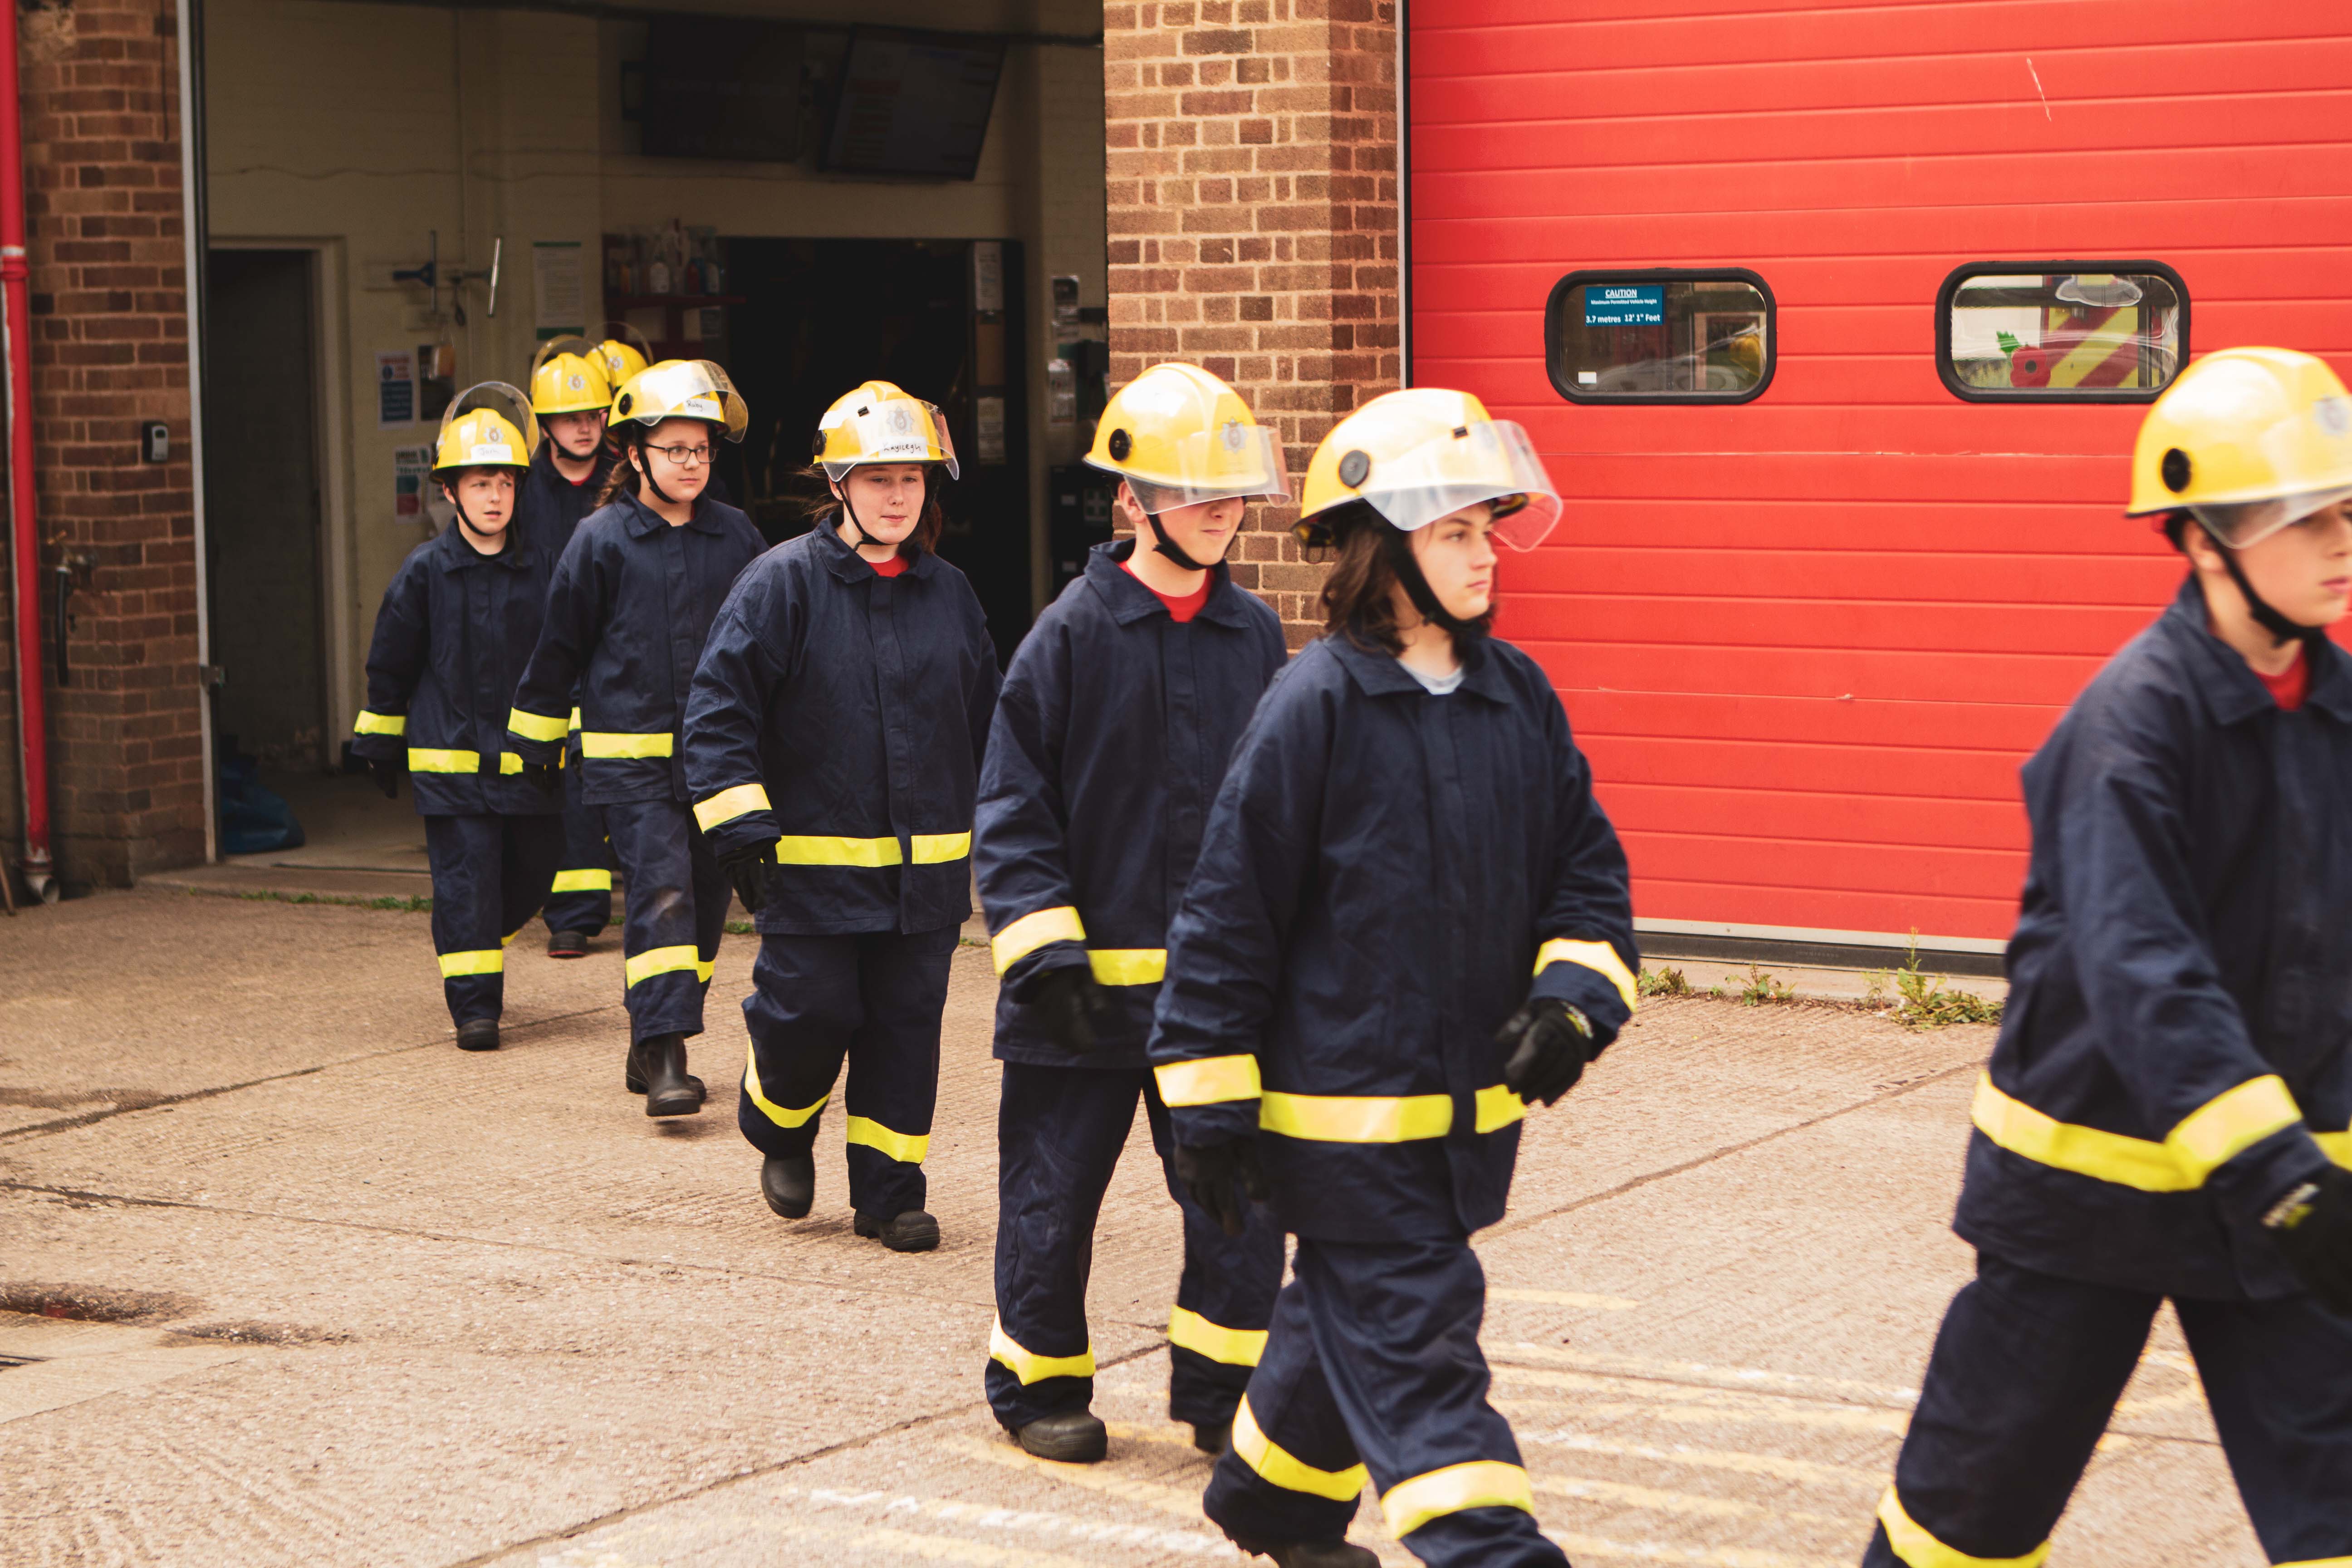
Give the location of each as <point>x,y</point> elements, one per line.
<point>1384,874</point>
<point>451,638</point>
<point>2180,979</point>
<point>632,601</point>
<point>548,507</point>
<point>1110,741</point>
<point>841,715</point>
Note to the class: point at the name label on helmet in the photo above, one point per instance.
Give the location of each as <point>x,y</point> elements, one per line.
<point>1625,305</point>
<point>699,406</point>
<point>489,452</point>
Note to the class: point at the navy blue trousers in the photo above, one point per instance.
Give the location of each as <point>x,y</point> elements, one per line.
<point>489,876</point>
<point>1059,1131</point>
<point>677,910</point>
<point>582,898</point>
<point>2026,1372</point>
<point>874,999</point>
<point>1373,1366</point>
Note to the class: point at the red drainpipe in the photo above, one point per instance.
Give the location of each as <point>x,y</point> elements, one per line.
<point>32,716</point>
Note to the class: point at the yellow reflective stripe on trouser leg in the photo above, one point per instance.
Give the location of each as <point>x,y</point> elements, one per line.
<point>583,883</point>
<point>1129,965</point>
<point>907,1148</point>
<point>1480,1483</point>
<point>825,849</point>
<point>483,961</point>
<point>1597,956</point>
<point>608,745</point>
<point>1034,930</point>
<point>939,848</point>
<point>1187,1330</point>
<point>381,724</point>
<point>1028,1366</point>
<point>1918,1549</point>
<point>781,1115</point>
<point>729,803</point>
<point>535,726</point>
<point>1209,1080</point>
<point>660,961</point>
<point>1277,1466</point>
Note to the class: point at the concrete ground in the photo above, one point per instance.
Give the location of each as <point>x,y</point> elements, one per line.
<point>288,1279</point>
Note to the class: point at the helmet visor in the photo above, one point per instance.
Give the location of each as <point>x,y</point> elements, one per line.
<point>1493,462</point>
<point>2250,523</point>
<point>573,344</point>
<point>887,430</point>
<point>1233,461</point>
<point>509,405</point>
<point>685,389</point>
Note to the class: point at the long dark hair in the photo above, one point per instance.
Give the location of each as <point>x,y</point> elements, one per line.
<point>1358,593</point>
<point>822,509</point>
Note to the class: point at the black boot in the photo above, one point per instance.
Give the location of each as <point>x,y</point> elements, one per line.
<point>633,1072</point>
<point>1308,1554</point>
<point>1072,1438</point>
<point>668,1090</point>
<point>480,1034</point>
<point>789,1183</point>
<point>913,1231</point>
<point>567,944</point>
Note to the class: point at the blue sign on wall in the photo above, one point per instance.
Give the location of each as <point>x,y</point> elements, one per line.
<point>1625,305</point>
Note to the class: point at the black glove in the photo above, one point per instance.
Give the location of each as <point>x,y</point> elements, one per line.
<point>542,777</point>
<point>1076,1009</point>
<point>2314,1227</point>
<point>386,773</point>
<point>1210,1172</point>
<point>747,869</point>
<point>1546,1046</point>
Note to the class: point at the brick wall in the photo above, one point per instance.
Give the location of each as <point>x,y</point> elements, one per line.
<point>1252,217</point>
<point>100,85</point>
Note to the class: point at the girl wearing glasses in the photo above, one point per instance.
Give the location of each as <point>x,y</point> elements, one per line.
<point>633,599</point>
<point>832,746</point>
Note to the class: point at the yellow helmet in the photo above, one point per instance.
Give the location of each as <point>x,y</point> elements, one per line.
<point>2247,441</point>
<point>567,376</point>
<point>683,389</point>
<point>622,350</point>
<point>1180,436</point>
<point>877,422</point>
<point>488,426</point>
<point>1422,454</point>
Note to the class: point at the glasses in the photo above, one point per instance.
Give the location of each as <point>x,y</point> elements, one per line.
<point>685,457</point>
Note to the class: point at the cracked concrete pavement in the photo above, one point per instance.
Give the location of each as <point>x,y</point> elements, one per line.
<point>333,1291</point>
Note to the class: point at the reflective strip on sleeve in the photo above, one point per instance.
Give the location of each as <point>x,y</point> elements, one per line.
<point>1031,1367</point>
<point>594,881</point>
<point>381,724</point>
<point>1234,1347</point>
<point>1279,1467</point>
<point>2207,1138</point>
<point>781,1115</point>
<point>1129,965</point>
<point>729,803</point>
<point>535,726</point>
<point>435,760</point>
<point>1918,1549</point>
<point>940,848</point>
<point>608,745</point>
<point>660,961</point>
<point>575,719</point>
<point>815,849</point>
<point>1034,930</point>
<point>1597,956</point>
<point>1498,1108</point>
<point>510,763</point>
<point>2336,1146</point>
<point>484,961</point>
<point>1210,1080</point>
<point>907,1148</point>
<point>1356,1118</point>
<point>1481,1483</point>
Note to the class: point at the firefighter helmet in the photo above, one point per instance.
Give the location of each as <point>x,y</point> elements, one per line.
<point>488,425</point>
<point>1424,453</point>
<point>1181,437</point>
<point>2247,441</point>
<point>622,351</point>
<point>567,376</point>
<point>877,422</point>
<point>683,389</point>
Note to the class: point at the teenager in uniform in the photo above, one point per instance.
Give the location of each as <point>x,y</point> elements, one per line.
<point>833,745</point>
<point>570,397</point>
<point>1408,921</point>
<point>2164,1114</point>
<point>1118,714</point>
<point>633,600</point>
<point>456,624</point>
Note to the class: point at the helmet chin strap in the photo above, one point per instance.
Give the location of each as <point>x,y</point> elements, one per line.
<point>2283,631</point>
<point>849,511</point>
<point>1171,549</point>
<point>645,470</point>
<point>1399,545</point>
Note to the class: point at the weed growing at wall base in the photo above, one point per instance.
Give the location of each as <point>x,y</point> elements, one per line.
<point>1920,1000</point>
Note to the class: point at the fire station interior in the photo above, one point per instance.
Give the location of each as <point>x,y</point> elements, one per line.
<point>402,200</point>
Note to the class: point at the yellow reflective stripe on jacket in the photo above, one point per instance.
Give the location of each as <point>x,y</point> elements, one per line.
<point>381,724</point>
<point>817,850</point>
<point>1278,1465</point>
<point>437,760</point>
<point>535,726</point>
<point>781,1115</point>
<point>1356,1118</point>
<point>907,1148</point>
<point>1498,1108</point>
<point>1597,956</point>
<point>607,745</point>
<point>1234,1347</point>
<point>1210,1080</point>
<point>1031,1367</point>
<point>483,961</point>
<point>939,848</point>
<point>1129,965</point>
<point>1480,1483</point>
<point>1918,1549</point>
<point>510,763</point>
<point>660,961</point>
<point>575,719</point>
<point>729,803</point>
<point>2336,1146</point>
<point>1034,930</point>
<point>583,883</point>
<point>2226,1125</point>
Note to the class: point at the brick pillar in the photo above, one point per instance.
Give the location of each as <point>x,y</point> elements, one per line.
<point>1252,218</point>
<point>100,85</point>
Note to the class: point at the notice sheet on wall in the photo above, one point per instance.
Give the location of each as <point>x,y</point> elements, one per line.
<point>560,288</point>
<point>395,389</point>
